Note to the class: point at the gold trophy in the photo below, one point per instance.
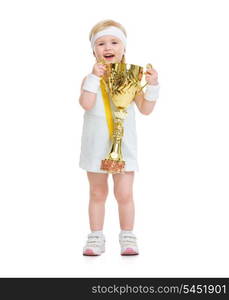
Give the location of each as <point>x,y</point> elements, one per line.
<point>122,82</point>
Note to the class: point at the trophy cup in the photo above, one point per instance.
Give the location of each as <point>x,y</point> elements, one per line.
<point>122,82</point>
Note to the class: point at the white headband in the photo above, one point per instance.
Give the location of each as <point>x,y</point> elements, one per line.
<point>112,30</point>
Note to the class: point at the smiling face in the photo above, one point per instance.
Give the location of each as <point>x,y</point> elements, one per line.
<point>110,48</point>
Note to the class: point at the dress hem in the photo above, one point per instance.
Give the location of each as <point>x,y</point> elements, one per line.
<point>95,170</point>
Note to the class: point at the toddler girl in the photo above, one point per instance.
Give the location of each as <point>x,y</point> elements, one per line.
<point>108,42</point>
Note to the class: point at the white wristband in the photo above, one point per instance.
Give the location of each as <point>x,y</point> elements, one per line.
<point>152,92</point>
<point>91,83</point>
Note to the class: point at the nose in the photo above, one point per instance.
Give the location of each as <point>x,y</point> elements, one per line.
<point>107,46</point>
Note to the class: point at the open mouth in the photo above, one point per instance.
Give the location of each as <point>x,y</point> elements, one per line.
<point>109,56</point>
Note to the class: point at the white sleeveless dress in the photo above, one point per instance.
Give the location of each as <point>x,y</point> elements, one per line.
<point>95,141</point>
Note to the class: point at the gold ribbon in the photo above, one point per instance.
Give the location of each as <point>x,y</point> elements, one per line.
<point>107,107</point>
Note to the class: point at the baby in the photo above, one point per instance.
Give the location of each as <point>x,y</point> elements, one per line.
<point>108,42</point>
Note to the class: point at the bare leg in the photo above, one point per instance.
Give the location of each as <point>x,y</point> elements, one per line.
<point>98,194</point>
<point>123,191</point>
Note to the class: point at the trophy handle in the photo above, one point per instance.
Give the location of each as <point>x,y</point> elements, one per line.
<point>148,66</point>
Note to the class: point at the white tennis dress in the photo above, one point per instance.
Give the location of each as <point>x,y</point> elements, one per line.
<point>95,141</point>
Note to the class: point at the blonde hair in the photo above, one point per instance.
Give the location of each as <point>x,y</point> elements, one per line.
<point>104,24</point>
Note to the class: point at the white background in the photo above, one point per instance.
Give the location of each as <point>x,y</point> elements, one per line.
<point>181,192</point>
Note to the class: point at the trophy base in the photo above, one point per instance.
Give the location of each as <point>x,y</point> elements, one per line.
<point>112,166</point>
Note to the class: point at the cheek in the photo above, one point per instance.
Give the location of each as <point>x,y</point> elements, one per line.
<point>98,51</point>
<point>120,51</point>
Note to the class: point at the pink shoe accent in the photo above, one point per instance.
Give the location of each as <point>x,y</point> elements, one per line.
<point>89,252</point>
<point>129,251</point>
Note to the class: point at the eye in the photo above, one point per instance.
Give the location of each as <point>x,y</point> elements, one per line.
<point>114,43</point>
<point>100,44</point>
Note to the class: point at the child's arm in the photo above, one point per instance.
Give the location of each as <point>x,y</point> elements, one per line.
<point>144,106</point>
<point>146,102</point>
<point>90,86</point>
<point>87,99</point>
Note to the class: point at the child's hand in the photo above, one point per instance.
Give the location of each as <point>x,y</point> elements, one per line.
<point>99,69</point>
<point>151,75</point>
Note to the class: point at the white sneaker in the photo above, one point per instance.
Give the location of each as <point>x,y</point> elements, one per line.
<point>128,243</point>
<point>95,245</point>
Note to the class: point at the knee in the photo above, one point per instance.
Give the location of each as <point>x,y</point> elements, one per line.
<point>99,193</point>
<point>122,196</point>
